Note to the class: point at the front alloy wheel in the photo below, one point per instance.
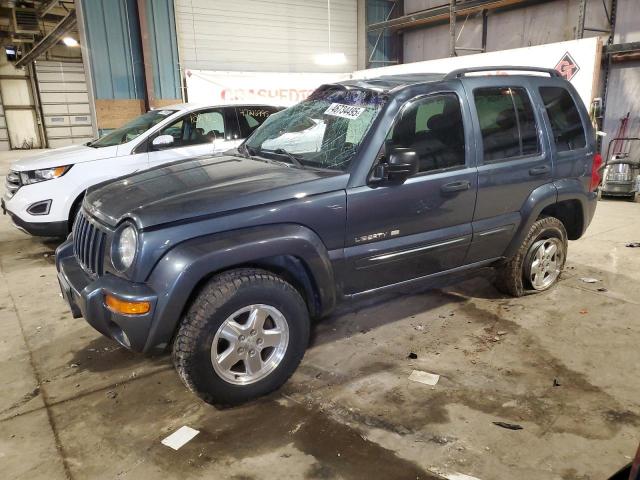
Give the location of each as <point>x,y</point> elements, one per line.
<point>243,336</point>
<point>250,344</point>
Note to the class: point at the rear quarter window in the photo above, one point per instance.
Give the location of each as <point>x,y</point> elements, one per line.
<point>564,117</point>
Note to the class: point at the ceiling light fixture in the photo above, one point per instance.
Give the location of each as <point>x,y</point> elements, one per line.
<point>330,58</point>
<point>70,42</point>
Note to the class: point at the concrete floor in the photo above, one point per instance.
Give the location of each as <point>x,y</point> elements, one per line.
<point>76,405</point>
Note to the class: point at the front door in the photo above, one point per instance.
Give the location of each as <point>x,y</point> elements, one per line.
<point>195,134</point>
<point>399,232</point>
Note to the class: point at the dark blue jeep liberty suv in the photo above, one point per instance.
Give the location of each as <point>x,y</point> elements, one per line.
<point>366,186</point>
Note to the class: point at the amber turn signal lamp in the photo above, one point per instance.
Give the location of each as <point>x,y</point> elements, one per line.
<point>127,308</point>
<point>59,171</point>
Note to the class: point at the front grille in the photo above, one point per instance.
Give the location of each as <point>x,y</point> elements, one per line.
<point>88,245</point>
<point>12,182</point>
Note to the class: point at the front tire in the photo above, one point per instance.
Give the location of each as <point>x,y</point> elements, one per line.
<point>539,261</point>
<point>242,337</point>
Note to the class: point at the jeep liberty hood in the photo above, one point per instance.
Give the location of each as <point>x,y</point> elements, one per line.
<point>202,187</point>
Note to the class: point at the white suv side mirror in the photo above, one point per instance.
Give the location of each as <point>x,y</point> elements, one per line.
<point>162,141</point>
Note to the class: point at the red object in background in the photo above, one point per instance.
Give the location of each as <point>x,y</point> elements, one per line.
<point>595,172</point>
<point>631,471</point>
<point>635,467</point>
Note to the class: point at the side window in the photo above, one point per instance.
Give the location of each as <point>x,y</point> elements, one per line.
<point>175,130</point>
<point>433,128</point>
<point>206,127</point>
<point>251,118</point>
<point>507,123</point>
<point>196,128</point>
<point>568,132</point>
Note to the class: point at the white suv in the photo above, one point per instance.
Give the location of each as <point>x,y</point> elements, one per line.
<point>44,191</point>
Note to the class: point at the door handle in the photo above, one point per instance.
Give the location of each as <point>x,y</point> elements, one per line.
<point>455,186</point>
<point>540,170</point>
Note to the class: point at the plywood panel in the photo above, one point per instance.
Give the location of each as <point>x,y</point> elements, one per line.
<point>163,102</point>
<point>115,113</point>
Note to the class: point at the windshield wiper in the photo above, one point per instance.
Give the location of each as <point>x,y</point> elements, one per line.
<point>290,156</point>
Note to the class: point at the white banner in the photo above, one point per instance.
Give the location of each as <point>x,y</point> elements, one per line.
<point>577,60</point>
<point>267,88</point>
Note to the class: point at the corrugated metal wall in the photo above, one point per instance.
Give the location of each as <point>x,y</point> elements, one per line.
<point>520,27</point>
<point>113,38</point>
<point>164,46</point>
<point>264,35</point>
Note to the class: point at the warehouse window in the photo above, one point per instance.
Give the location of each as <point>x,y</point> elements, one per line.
<point>433,128</point>
<point>507,123</point>
<point>568,132</point>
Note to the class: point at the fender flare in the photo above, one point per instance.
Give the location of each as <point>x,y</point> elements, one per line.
<point>538,200</point>
<point>182,269</point>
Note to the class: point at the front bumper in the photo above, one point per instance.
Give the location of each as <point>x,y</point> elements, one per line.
<point>618,188</point>
<point>85,296</point>
<point>41,229</point>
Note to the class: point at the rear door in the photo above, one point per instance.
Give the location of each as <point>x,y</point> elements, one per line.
<point>513,158</point>
<point>400,232</point>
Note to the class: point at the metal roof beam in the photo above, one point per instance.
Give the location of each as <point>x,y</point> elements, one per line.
<point>441,13</point>
<point>47,7</point>
<point>66,24</point>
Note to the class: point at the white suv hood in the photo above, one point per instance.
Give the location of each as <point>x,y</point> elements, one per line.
<point>63,156</point>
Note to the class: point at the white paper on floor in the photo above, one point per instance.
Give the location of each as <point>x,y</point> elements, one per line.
<point>589,280</point>
<point>424,377</point>
<point>181,436</point>
<point>459,476</point>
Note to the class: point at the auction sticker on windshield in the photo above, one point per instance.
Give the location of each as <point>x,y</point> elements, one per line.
<point>344,111</point>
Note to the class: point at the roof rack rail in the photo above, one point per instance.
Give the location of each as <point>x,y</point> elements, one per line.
<point>460,72</point>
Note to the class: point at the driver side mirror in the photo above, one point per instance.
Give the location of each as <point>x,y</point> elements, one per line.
<point>162,142</point>
<point>399,164</point>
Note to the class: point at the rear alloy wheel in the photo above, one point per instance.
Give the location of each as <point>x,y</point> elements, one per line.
<point>243,336</point>
<point>539,261</point>
<point>544,263</point>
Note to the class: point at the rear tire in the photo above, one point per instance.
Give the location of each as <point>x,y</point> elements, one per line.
<point>242,337</point>
<point>539,261</point>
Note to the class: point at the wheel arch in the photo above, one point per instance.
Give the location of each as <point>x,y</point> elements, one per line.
<point>541,198</point>
<point>293,252</point>
<point>75,205</point>
<point>570,213</point>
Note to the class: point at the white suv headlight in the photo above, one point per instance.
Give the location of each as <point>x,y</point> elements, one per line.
<point>123,252</point>
<point>35,176</point>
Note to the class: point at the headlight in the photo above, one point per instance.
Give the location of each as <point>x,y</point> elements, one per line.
<point>35,176</point>
<point>123,252</point>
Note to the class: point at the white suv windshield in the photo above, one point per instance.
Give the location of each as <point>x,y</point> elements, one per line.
<point>133,129</point>
<point>323,131</point>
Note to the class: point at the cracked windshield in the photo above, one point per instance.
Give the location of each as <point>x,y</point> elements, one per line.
<point>323,131</point>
